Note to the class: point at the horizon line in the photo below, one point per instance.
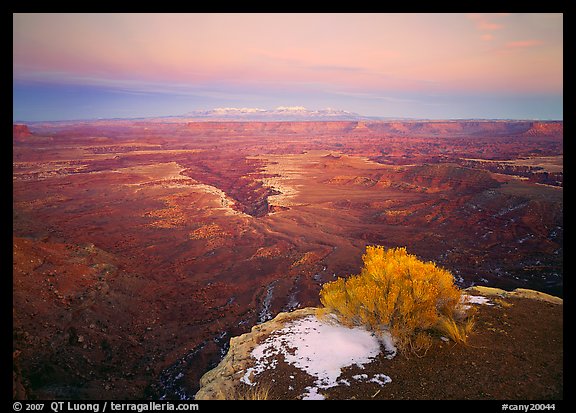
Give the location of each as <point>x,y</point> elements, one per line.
<point>361,118</point>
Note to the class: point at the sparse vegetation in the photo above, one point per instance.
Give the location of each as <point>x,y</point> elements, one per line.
<point>455,330</point>
<point>502,303</point>
<point>398,292</point>
<point>257,392</point>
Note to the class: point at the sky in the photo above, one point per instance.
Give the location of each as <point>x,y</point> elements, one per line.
<point>432,66</point>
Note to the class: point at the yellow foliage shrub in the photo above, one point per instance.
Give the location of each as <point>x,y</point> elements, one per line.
<point>457,331</point>
<point>395,291</point>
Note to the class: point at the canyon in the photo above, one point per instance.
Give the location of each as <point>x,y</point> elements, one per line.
<point>140,247</point>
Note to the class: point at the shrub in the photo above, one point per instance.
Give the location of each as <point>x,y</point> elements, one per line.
<point>398,292</point>
<point>456,331</point>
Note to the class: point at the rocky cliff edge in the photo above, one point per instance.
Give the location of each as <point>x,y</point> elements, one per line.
<point>515,352</point>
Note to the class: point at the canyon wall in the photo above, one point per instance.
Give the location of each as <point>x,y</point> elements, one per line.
<point>396,128</point>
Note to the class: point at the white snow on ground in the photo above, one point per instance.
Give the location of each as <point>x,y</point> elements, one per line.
<point>321,349</point>
<point>477,299</point>
<point>467,299</point>
<point>474,299</point>
<point>378,378</point>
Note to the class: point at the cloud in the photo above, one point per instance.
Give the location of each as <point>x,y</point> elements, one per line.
<point>337,68</point>
<point>521,44</point>
<point>513,47</point>
<point>485,23</point>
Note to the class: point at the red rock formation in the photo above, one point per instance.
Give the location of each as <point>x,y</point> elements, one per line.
<point>415,128</point>
<point>545,129</point>
<point>274,127</point>
<point>450,128</point>
<point>447,177</point>
<point>20,131</point>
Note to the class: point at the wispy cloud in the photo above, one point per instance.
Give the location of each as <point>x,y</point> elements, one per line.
<point>376,60</point>
<point>220,90</point>
<point>485,23</point>
<point>517,46</point>
<point>337,68</point>
<point>377,96</point>
<point>522,44</point>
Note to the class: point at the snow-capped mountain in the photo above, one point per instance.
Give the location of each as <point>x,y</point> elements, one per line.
<point>281,113</point>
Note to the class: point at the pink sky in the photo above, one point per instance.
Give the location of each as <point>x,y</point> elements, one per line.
<point>341,54</point>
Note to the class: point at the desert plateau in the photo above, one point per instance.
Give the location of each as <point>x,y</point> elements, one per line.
<point>140,247</point>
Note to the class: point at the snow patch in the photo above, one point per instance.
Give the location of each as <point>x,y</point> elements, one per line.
<point>266,313</point>
<point>380,379</point>
<point>312,394</point>
<point>291,109</point>
<point>476,299</point>
<point>473,299</point>
<point>321,349</point>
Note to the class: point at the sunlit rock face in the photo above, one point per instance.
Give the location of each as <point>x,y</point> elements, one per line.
<point>20,131</point>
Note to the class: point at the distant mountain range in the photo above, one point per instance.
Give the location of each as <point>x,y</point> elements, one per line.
<point>281,113</point>
<point>300,113</point>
